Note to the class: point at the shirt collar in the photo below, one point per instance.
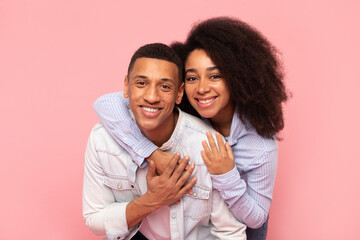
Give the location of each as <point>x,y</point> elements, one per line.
<point>235,129</point>
<point>177,134</point>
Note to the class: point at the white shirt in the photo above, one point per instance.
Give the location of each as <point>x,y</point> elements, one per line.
<point>112,180</point>
<point>247,189</point>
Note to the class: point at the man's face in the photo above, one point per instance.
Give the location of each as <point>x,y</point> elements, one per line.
<point>153,88</point>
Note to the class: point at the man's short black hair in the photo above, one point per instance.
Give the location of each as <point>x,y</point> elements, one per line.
<point>158,51</point>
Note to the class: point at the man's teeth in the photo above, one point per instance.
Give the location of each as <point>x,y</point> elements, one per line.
<point>206,101</point>
<point>150,109</point>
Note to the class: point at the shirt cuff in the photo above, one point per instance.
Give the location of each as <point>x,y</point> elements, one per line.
<point>115,221</point>
<point>227,180</point>
<point>143,150</point>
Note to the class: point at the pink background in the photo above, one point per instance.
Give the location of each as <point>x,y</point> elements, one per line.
<point>57,57</point>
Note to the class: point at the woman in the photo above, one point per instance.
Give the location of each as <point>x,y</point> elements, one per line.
<point>234,81</point>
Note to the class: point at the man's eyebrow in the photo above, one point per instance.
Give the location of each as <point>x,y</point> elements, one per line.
<point>193,70</point>
<point>140,76</point>
<point>162,79</point>
<point>168,80</point>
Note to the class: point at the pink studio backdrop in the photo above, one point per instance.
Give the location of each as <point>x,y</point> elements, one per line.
<point>57,57</point>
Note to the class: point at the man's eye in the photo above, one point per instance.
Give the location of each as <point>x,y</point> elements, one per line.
<point>140,83</point>
<point>165,86</point>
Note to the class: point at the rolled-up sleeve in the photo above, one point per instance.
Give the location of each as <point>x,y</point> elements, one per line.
<point>100,211</point>
<point>223,223</point>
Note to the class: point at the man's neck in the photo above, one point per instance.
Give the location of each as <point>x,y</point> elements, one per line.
<point>162,135</point>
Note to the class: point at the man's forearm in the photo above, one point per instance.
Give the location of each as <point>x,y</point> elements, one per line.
<point>137,210</point>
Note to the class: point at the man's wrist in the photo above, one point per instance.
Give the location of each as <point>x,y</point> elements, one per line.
<point>145,203</point>
<point>138,209</point>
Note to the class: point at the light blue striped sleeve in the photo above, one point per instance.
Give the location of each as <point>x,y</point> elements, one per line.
<point>113,112</point>
<point>249,201</point>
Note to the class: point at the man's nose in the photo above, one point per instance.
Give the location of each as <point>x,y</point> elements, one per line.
<point>151,95</point>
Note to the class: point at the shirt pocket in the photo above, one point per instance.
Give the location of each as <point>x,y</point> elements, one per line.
<point>123,189</point>
<point>197,204</point>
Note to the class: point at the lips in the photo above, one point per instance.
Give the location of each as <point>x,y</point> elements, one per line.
<point>205,102</point>
<point>150,112</point>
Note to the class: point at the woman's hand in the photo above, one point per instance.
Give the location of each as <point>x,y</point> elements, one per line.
<point>218,161</point>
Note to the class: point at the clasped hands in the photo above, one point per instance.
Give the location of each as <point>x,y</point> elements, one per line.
<point>171,184</point>
<point>167,185</point>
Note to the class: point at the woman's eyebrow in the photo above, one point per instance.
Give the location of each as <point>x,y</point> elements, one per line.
<point>211,68</point>
<point>193,70</point>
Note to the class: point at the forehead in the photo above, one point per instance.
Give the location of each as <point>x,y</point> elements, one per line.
<point>198,58</point>
<point>154,68</point>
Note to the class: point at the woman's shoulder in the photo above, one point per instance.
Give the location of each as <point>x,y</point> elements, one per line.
<point>245,136</point>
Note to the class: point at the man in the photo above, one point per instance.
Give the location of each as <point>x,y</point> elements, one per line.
<point>121,198</point>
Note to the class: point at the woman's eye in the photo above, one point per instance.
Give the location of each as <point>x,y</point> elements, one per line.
<point>215,76</point>
<point>190,79</point>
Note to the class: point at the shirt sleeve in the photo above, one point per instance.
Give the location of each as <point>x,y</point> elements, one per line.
<point>223,224</point>
<point>249,201</point>
<point>100,211</point>
<point>113,111</point>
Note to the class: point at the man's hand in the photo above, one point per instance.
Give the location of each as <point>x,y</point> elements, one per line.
<point>162,190</point>
<point>172,184</point>
<point>218,161</point>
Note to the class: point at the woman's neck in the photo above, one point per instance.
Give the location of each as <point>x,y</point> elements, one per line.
<point>222,122</point>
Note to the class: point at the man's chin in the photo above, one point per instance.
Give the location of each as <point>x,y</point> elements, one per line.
<point>148,126</point>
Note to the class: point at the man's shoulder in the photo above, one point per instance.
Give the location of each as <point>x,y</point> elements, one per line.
<point>104,142</point>
<point>99,131</point>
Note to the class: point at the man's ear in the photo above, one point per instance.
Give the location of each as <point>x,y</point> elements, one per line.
<point>180,93</point>
<point>126,84</point>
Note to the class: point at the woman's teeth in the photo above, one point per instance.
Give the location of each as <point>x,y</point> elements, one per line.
<point>206,101</point>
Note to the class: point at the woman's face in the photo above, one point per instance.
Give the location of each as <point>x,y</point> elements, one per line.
<point>205,88</point>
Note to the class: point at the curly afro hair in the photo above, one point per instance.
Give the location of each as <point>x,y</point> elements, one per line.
<point>249,65</point>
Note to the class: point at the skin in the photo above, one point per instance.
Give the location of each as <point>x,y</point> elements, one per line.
<point>153,88</point>
<point>209,94</point>
<point>207,91</point>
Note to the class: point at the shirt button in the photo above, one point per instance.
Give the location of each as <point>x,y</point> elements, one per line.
<point>118,238</point>
<point>194,194</point>
<point>173,216</point>
<point>119,187</point>
<point>140,150</point>
<point>132,186</point>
